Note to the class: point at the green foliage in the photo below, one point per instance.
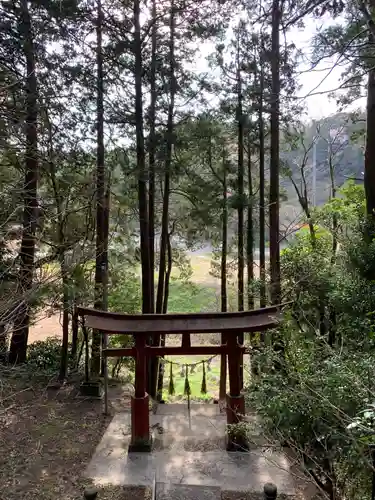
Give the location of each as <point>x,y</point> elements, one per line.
<point>348,208</point>
<point>124,297</point>
<point>238,432</point>
<point>184,296</point>
<point>348,36</point>
<point>321,400</point>
<point>316,273</point>
<point>124,291</point>
<point>189,297</point>
<point>44,354</point>
<point>195,378</point>
<point>313,408</point>
<point>307,270</point>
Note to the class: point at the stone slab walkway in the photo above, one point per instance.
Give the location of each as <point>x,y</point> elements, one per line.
<point>189,453</point>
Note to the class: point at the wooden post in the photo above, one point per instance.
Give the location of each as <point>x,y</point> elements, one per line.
<point>87,355</point>
<point>105,373</point>
<point>139,402</point>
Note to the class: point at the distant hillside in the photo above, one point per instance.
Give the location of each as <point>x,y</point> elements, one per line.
<point>340,139</point>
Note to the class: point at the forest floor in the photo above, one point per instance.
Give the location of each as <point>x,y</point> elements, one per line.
<point>47,437</point>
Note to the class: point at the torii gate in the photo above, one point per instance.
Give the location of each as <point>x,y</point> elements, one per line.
<point>142,326</point>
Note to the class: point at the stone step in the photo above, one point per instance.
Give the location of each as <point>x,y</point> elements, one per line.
<point>170,491</point>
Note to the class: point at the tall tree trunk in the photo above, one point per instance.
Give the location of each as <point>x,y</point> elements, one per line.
<point>250,232</point>
<point>369,176</point>
<point>274,160</point>
<point>107,198</point>
<point>223,278</point>
<point>168,161</point>
<point>18,346</point>
<point>141,165</point>
<point>65,323</point>
<point>154,364</point>
<point>224,246</point>
<point>240,188</point>
<point>167,274</point>
<point>240,211</point>
<point>151,155</point>
<point>60,216</point>
<point>332,311</point>
<point>262,232</point>
<point>101,261</point>
<point>166,195</point>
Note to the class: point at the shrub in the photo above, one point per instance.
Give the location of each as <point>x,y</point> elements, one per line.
<point>45,354</point>
<point>124,292</point>
<point>316,396</point>
<point>313,407</point>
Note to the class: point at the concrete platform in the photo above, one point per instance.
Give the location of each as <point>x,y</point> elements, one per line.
<point>203,428</point>
<point>188,452</point>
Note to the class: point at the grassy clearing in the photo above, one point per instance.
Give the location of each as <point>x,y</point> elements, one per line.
<point>195,379</point>
<point>191,297</point>
<point>201,266</point>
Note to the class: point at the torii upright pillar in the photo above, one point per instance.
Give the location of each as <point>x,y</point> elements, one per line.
<point>140,414</point>
<point>235,399</point>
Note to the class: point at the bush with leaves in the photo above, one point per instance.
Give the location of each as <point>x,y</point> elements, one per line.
<point>329,274</point>
<point>124,291</point>
<point>45,354</point>
<point>124,297</point>
<point>317,395</point>
<point>311,404</point>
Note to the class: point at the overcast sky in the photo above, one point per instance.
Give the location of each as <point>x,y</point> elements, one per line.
<point>323,79</point>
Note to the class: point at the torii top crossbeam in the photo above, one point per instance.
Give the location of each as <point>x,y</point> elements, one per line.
<point>244,321</point>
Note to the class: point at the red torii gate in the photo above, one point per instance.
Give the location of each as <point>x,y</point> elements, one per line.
<point>142,326</point>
